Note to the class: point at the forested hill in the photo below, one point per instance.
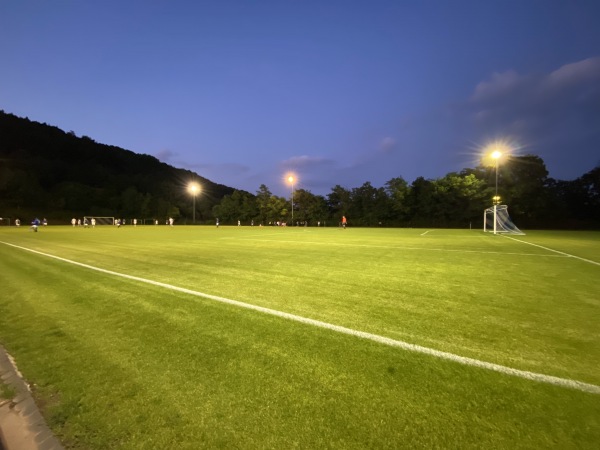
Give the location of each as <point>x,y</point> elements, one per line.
<point>45,171</point>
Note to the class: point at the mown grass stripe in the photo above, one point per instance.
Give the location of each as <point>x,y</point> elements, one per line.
<point>533,376</point>
<point>393,247</point>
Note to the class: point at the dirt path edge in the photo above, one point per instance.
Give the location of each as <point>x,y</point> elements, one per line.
<point>22,426</point>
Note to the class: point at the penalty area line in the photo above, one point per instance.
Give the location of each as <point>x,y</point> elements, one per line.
<point>555,251</point>
<point>533,376</point>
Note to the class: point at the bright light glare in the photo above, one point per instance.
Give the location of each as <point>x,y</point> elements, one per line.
<point>194,188</point>
<point>496,151</point>
<point>290,178</point>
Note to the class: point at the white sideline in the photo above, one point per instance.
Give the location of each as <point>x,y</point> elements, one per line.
<point>548,379</point>
<point>555,251</point>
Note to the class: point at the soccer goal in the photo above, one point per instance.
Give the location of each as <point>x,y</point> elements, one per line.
<point>496,219</point>
<point>101,220</point>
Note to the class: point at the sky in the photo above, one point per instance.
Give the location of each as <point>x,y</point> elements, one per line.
<point>337,92</point>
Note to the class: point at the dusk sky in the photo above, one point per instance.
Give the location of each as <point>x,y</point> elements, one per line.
<point>339,92</point>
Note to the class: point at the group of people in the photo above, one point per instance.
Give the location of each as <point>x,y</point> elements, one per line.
<point>118,222</point>
<point>85,223</point>
<point>35,223</point>
<point>343,223</point>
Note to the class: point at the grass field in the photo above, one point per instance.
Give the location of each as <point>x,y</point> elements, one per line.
<point>139,362</point>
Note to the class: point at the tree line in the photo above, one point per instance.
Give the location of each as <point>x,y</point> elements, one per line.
<point>455,200</point>
<point>47,172</point>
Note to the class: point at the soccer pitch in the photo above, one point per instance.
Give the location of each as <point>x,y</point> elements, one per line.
<point>266,337</point>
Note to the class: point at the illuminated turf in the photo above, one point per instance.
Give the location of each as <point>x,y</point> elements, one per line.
<point>191,369</point>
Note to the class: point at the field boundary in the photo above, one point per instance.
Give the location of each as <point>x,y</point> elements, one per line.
<point>533,376</point>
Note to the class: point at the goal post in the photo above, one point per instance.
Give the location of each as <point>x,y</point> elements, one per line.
<point>497,220</point>
<point>101,220</point>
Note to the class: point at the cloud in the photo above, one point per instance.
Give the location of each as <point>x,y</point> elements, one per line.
<point>555,114</point>
<point>543,95</point>
<point>228,168</point>
<point>575,74</point>
<point>166,155</point>
<point>499,85</point>
<point>387,144</point>
<point>305,162</point>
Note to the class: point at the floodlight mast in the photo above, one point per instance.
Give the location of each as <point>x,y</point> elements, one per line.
<point>291,180</point>
<point>496,155</point>
<point>194,188</point>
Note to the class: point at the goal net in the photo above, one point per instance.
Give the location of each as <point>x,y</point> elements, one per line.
<point>101,220</point>
<point>497,220</point>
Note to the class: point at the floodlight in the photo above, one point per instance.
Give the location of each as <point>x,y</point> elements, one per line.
<point>194,188</point>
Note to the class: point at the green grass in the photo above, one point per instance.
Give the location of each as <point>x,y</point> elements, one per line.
<point>118,363</point>
<point>6,392</point>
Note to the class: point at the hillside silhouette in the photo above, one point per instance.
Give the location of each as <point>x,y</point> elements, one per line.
<point>47,172</point>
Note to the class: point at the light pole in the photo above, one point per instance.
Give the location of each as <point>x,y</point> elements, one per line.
<point>291,180</point>
<point>496,156</point>
<point>194,189</point>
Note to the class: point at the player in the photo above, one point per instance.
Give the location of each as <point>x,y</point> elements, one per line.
<point>35,224</point>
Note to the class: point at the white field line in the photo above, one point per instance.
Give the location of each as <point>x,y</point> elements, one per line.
<point>555,251</point>
<point>346,244</point>
<point>423,234</point>
<point>533,376</point>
